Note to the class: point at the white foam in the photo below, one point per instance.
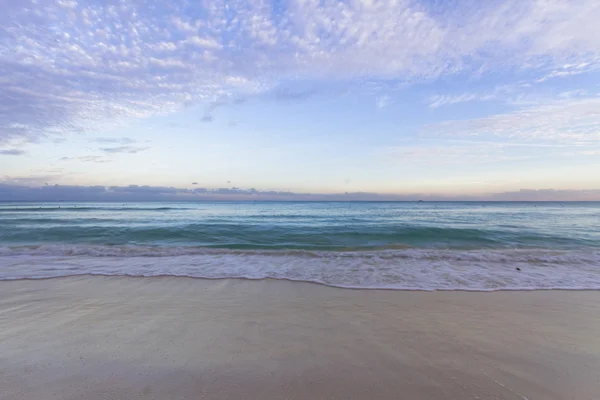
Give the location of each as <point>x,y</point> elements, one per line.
<point>409,269</point>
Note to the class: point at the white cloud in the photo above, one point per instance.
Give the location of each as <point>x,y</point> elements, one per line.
<point>570,70</point>
<point>73,65</point>
<point>183,26</point>
<point>440,100</point>
<point>571,120</point>
<point>208,43</point>
<point>164,46</point>
<point>522,93</point>
<point>67,3</point>
<point>382,101</point>
<point>571,94</point>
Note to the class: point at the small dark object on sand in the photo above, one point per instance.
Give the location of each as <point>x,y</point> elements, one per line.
<point>518,269</point>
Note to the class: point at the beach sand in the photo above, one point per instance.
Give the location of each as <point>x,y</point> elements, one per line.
<point>182,338</point>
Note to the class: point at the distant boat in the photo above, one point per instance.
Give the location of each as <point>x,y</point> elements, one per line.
<point>420,201</point>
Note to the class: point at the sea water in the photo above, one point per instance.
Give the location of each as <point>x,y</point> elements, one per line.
<point>392,245</point>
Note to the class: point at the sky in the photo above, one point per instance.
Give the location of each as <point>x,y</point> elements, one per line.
<point>299,99</point>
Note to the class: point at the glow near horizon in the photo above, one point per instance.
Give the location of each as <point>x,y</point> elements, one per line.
<point>304,96</point>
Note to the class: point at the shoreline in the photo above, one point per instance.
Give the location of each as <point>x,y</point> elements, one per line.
<point>425,270</point>
<point>98,337</point>
<point>301,281</point>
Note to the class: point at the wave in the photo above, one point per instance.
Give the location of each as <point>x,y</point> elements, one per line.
<point>403,269</point>
<point>81,209</point>
<point>236,235</point>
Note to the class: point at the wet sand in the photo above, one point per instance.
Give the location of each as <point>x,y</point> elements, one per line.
<point>181,338</point>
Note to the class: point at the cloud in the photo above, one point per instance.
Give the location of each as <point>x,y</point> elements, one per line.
<point>548,195</point>
<point>25,190</point>
<point>27,181</point>
<point>474,151</point>
<point>125,149</point>
<point>12,152</point>
<point>285,94</point>
<point>382,101</point>
<point>213,105</point>
<point>452,154</point>
<point>208,43</point>
<point>114,140</point>
<point>570,121</point>
<point>145,189</point>
<point>570,70</point>
<point>93,159</point>
<point>511,93</point>
<point>440,100</point>
<point>77,66</point>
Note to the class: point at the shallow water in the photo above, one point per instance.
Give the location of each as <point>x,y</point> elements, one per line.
<point>467,245</point>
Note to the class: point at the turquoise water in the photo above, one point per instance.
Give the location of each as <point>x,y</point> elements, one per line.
<point>394,245</point>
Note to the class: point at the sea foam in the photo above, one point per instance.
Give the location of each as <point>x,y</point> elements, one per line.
<point>404,269</point>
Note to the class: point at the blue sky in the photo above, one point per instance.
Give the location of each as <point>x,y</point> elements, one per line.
<point>309,99</point>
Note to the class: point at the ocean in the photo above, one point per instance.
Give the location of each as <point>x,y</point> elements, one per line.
<point>392,245</point>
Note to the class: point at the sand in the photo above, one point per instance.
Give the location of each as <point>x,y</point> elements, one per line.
<point>182,338</point>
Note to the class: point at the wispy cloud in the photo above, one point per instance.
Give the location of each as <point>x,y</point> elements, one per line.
<point>125,149</point>
<point>382,101</point>
<point>12,152</point>
<point>440,100</point>
<point>510,93</point>
<point>448,153</point>
<point>571,121</point>
<point>72,66</point>
<point>114,140</point>
<point>285,94</point>
<point>548,195</point>
<point>570,70</point>
<point>92,159</point>
<point>18,182</point>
